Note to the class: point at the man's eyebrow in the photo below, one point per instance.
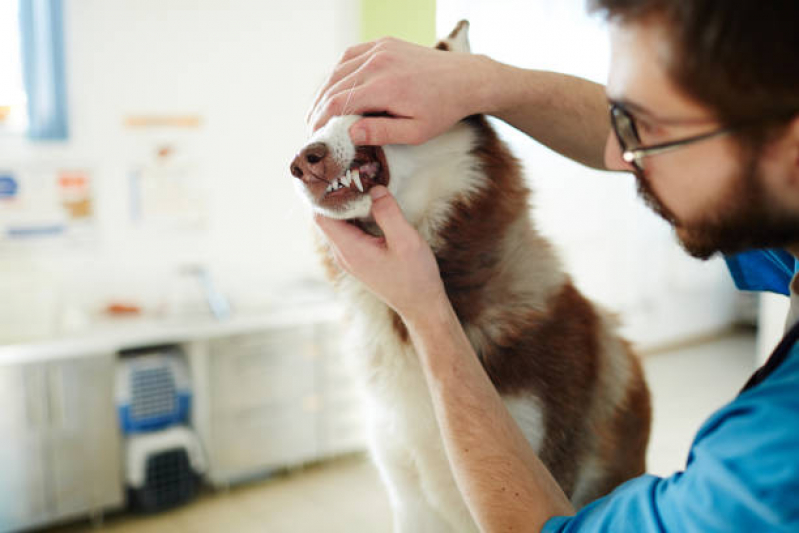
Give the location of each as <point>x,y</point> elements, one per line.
<point>638,109</point>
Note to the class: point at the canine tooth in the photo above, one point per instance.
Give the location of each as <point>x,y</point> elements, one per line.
<point>356,176</point>
<point>346,179</point>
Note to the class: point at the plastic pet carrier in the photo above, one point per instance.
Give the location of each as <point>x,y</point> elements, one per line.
<point>152,390</point>
<point>163,469</point>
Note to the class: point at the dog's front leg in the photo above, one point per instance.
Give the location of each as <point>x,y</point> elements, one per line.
<point>409,505</point>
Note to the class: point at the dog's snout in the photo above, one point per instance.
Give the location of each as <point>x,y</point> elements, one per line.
<point>308,159</point>
<point>315,152</point>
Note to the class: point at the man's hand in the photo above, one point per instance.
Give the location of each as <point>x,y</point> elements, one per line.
<point>423,91</point>
<point>399,268</point>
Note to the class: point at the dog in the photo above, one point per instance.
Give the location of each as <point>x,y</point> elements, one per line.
<point>571,383</point>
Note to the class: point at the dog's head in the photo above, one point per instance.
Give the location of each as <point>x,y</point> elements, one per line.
<point>335,176</point>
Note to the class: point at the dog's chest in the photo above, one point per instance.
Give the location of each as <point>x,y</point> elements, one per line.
<point>387,368</point>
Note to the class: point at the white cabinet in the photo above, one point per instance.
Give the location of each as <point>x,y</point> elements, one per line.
<point>272,399</point>
<point>22,447</point>
<point>59,451</point>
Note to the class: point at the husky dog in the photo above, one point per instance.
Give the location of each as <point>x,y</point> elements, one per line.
<point>570,382</point>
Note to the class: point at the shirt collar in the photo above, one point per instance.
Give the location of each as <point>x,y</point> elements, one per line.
<point>763,270</point>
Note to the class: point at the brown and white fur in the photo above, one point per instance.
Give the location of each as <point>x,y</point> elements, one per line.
<point>569,381</point>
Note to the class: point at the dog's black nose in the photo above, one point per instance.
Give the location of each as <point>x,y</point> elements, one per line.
<point>309,158</point>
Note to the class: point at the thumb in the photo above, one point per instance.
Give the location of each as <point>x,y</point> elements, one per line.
<point>388,215</point>
<point>379,131</point>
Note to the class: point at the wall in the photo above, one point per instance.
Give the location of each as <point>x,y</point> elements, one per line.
<point>411,20</point>
<point>620,253</point>
<point>248,69</point>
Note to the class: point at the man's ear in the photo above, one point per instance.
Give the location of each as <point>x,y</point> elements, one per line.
<point>781,164</point>
<point>792,145</point>
<point>794,127</point>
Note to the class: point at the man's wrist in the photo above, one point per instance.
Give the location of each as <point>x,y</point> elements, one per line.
<point>502,88</point>
<point>437,314</point>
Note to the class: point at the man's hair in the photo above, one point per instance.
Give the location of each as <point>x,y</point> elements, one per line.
<point>738,57</point>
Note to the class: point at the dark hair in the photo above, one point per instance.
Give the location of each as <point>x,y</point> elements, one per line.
<point>738,57</point>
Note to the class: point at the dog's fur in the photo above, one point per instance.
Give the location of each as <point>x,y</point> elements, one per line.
<point>570,382</point>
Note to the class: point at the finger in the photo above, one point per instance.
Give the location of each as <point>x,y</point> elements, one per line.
<point>338,100</point>
<point>341,80</point>
<point>389,217</point>
<point>351,61</point>
<point>357,99</point>
<point>379,131</point>
<point>346,238</point>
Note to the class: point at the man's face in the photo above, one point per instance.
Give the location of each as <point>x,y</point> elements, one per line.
<point>713,192</point>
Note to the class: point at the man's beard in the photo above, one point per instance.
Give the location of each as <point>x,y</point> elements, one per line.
<point>742,219</point>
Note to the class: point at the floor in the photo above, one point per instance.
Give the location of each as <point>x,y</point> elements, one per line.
<point>345,495</point>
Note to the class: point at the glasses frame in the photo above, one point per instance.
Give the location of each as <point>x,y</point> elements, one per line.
<point>636,154</point>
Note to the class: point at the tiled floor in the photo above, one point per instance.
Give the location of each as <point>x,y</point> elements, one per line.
<point>345,495</point>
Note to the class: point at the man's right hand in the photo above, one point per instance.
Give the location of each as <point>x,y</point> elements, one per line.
<point>423,91</point>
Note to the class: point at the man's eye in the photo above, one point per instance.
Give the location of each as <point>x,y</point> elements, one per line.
<point>649,129</point>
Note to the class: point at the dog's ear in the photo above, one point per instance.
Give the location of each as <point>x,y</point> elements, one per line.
<point>457,40</point>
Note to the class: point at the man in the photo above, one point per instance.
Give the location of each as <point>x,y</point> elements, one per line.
<point>705,111</point>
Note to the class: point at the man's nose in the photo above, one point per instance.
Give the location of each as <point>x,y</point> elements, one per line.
<point>310,161</point>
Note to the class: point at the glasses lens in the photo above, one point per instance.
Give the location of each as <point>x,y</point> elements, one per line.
<point>625,129</point>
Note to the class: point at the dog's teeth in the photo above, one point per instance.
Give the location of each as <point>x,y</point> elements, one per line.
<point>356,177</point>
<point>346,179</point>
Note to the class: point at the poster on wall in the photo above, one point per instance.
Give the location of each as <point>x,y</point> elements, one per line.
<point>45,204</point>
<point>167,186</point>
<point>166,192</point>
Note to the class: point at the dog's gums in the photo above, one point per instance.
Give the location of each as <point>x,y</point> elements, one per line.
<point>360,177</point>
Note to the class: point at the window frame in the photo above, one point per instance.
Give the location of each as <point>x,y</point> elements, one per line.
<point>43,68</point>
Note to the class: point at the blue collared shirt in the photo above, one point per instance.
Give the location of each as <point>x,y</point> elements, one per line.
<point>742,472</point>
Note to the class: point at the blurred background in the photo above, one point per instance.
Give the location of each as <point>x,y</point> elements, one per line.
<point>168,344</point>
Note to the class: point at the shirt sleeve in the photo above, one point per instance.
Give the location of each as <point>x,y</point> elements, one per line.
<point>742,475</point>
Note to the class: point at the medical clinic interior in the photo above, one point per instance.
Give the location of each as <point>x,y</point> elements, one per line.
<point>172,352</point>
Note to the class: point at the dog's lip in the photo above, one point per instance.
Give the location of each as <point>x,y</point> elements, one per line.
<point>364,155</point>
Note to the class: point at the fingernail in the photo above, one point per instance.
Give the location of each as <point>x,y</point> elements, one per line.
<point>357,135</point>
<point>378,192</point>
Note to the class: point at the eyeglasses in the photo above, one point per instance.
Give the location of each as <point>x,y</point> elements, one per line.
<point>633,150</point>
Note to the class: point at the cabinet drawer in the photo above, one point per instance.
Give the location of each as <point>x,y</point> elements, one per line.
<point>258,439</point>
<point>261,369</point>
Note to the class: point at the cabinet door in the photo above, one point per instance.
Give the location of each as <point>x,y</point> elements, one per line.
<point>263,402</point>
<point>84,442</point>
<point>23,497</point>
<point>252,370</point>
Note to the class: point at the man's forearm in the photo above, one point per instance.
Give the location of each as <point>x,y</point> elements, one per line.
<point>505,485</point>
<point>566,113</point>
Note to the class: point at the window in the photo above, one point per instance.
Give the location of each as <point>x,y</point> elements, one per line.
<point>32,87</point>
<point>13,101</point>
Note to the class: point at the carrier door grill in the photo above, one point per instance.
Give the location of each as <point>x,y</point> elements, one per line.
<point>153,393</point>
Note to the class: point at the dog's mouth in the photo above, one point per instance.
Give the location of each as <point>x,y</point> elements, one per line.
<point>367,169</point>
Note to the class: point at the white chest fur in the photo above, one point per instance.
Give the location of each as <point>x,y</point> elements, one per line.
<point>404,437</point>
